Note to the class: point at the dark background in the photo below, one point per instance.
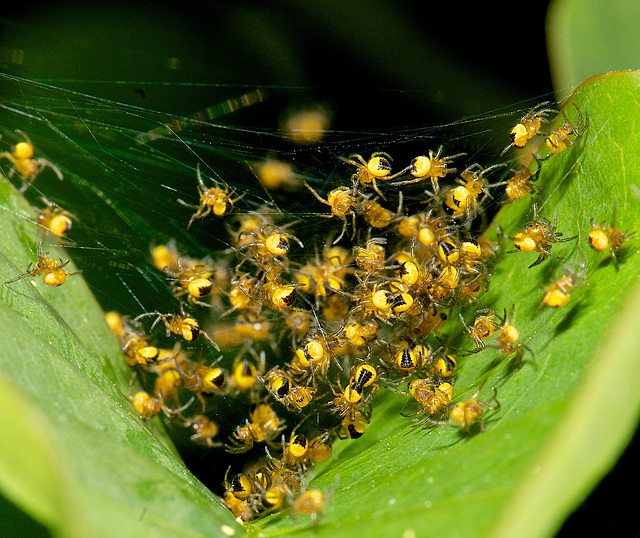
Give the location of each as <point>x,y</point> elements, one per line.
<point>393,63</point>
<point>380,65</point>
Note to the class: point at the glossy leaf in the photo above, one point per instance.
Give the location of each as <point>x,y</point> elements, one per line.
<point>550,442</point>
<point>74,454</point>
<point>538,458</point>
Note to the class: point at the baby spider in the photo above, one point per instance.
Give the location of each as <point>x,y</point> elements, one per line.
<point>557,293</point>
<point>364,375</point>
<point>267,245</point>
<point>134,344</point>
<point>432,167</point>
<point>263,425</point>
<point>521,184</point>
<point>245,374</point>
<point>377,168</point>
<point>603,237</point>
<point>342,201</point>
<point>529,126</point>
<point>351,402</point>
<point>310,503</point>
<point>181,325</point>
<point>408,360</point>
<point>508,337</point>
<point>301,453</point>
<point>464,414</point>
<point>375,302</point>
<point>273,174</point>
<point>377,216</point>
<point>463,199</point>
<point>353,427</point>
<point>281,386</point>
<point>54,219</point>
<point>240,486</point>
<point>444,365</point>
<point>538,236</point>
<point>21,157</point>
<point>217,199</point>
<point>325,275</point>
<point>483,328</point>
<point>372,256</point>
<point>54,272</point>
<point>568,133</point>
<point>192,278</point>
<point>149,406</point>
<point>313,358</point>
<point>431,399</point>
<point>205,430</point>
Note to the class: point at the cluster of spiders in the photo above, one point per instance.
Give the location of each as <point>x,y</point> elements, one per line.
<point>299,336</point>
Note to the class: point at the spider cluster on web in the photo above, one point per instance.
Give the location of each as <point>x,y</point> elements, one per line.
<point>300,337</point>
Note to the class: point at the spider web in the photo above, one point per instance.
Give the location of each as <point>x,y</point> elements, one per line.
<point>126,168</point>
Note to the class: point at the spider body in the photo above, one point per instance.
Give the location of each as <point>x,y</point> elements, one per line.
<point>21,156</point>
<point>568,133</point>
<point>217,200</point>
<point>377,168</point>
<point>431,167</point>
<point>529,126</point>
<point>54,271</point>
<point>538,235</point>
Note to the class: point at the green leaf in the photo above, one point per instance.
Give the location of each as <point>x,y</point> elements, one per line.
<point>564,419</point>
<point>73,453</point>
<point>589,37</point>
<point>562,423</point>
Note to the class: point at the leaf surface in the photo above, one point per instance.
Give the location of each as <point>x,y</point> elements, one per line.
<point>546,447</point>
<point>561,425</point>
<point>75,455</point>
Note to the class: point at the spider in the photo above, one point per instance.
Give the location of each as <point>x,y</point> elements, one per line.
<point>378,167</point>
<point>341,200</point>
<point>204,430</point>
<point>432,399</point>
<point>54,272</point>
<point>262,426</point>
<point>267,245</point>
<point>349,403</point>
<point>508,337</point>
<point>372,256</point>
<point>604,237</point>
<point>191,278</point>
<point>373,301</point>
<point>311,503</point>
<point>21,157</point>
<point>181,325</point>
<point>521,184</point>
<point>217,199</point>
<point>483,328</point>
<point>539,235</point>
<point>377,216</point>
<point>273,174</point>
<point>463,199</point>
<point>54,219</point>
<point>432,167</point>
<point>465,414</point>
<point>149,406</point>
<point>529,126</point>
<point>568,133</point>
<point>324,275</point>
<point>557,293</point>
<point>281,386</point>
